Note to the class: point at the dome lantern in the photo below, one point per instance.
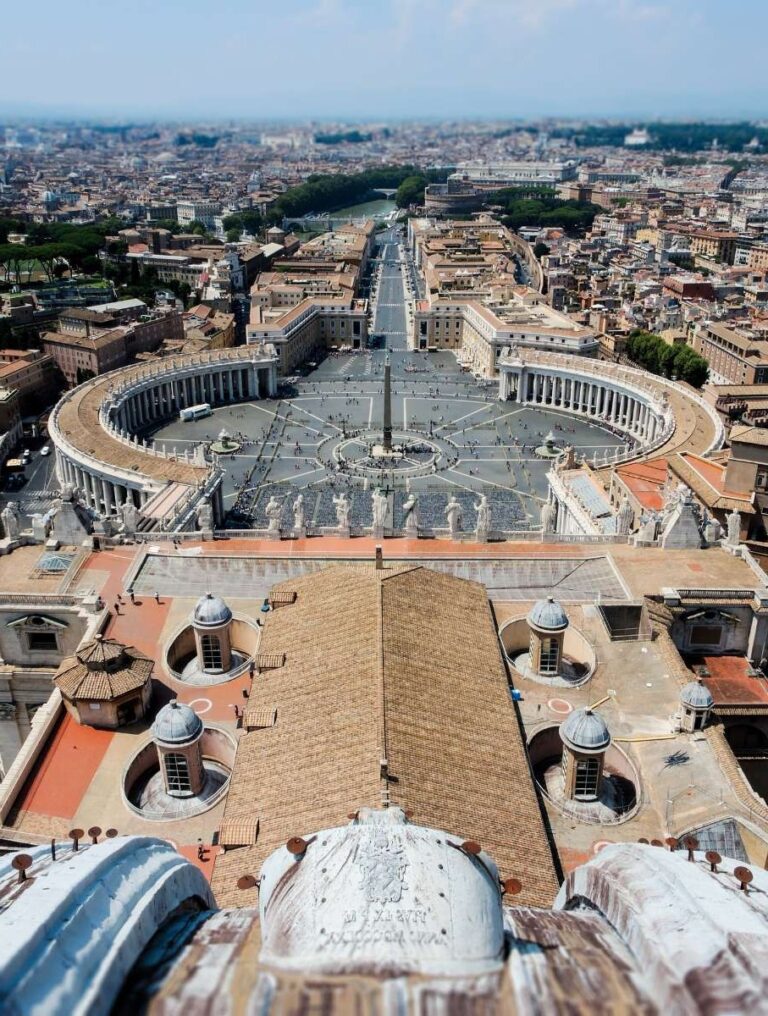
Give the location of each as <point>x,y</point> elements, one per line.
<point>547,622</point>
<point>586,739</point>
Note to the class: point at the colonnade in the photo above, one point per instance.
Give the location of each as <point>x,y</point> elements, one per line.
<point>147,401</point>
<point>619,405</point>
<point>100,492</point>
<point>134,400</point>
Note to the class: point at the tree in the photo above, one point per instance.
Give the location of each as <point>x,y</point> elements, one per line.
<point>680,361</point>
<point>540,250</point>
<point>411,191</point>
<point>198,227</point>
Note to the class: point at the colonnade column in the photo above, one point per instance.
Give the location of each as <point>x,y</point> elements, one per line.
<point>106,491</point>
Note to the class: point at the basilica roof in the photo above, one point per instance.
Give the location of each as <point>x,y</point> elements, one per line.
<point>392,690</point>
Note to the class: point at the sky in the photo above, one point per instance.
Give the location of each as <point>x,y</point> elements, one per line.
<point>384,59</point>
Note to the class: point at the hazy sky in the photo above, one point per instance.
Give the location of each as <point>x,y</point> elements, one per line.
<point>385,58</point>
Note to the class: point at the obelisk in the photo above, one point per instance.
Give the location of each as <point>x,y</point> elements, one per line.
<point>387,443</point>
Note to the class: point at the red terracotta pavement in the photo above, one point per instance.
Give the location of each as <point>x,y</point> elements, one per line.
<point>65,769</point>
<point>206,865</point>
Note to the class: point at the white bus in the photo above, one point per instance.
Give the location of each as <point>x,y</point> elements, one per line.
<point>195,412</point>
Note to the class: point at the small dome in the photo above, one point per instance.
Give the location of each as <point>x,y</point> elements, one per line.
<point>697,696</point>
<point>211,611</point>
<point>585,730</point>
<point>548,614</point>
<point>176,724</point>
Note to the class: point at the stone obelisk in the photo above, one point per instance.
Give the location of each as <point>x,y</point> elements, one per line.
<point>387,443</point>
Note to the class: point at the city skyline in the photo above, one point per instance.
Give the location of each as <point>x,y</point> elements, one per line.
<point>460,59</point>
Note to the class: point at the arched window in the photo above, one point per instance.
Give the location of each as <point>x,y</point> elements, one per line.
<point>177,773</point>
<point>549,658</point>
<point>211,648</point>
<point>585,783</point>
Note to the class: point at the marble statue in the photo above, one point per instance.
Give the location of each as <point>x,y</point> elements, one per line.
<point>273,512</point>
<point>648,527</point>
<point>379,508</point>
<point>733,520</point>
<point>548,517</point>
<point>624,517</point>
<point>483,509</point>
<point>68,491</point>
<point>40,527</point>
<point>298,512</point>
<point>130,516</point>
<point>411,515</point>
<point>342,506</point>
<point>204,515</point>
<point>713,531</point>
<point>10,521</point>
<point>453,513</point>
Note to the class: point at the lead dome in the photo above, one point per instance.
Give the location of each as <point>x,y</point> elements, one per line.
<point>696,695</point>
<point>177,724</point>
<point>211,611</point>
<point>548,615</point>
<point>585,730</point>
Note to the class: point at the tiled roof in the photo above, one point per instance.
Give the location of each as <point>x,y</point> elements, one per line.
<point>398,664</point>
<point>103,670</point>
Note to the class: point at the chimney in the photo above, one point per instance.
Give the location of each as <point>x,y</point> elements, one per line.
<point>379,557</point>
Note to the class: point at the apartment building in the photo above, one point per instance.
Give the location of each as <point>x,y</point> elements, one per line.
<point>734,356</point>
<point>758,257</point>
<point>32,374</point>
<point>309,329</point>
<point>474,304</point>
<point>79,357</point>
<point>714,245</point>
<point>503,174</point>
<point>198,211</point>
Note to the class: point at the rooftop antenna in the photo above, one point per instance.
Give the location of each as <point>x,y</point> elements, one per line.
<point>76,835</point>
<point>247,882</point>
<point>94,832</point>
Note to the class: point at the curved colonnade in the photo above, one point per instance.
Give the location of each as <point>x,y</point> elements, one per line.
<point>629,401</point>
<point>96,428</point>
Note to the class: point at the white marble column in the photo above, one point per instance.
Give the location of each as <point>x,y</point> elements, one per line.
<point>106,493</point>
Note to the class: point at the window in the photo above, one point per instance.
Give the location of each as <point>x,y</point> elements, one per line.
<point>706,635</point>
<point>549,658</point>
<point>585,784</point>
<point>177,773</point>
<point>211,648</point>
<point>42,641</point>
